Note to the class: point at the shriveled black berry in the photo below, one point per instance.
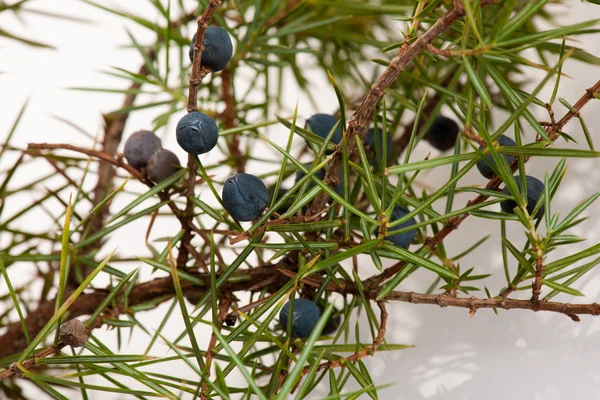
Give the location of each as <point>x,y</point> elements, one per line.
<point>218,48</point>
<point>442,133</point>
<point>484,165</point>
<point>245,196</point>
<point>535,188</point>
<point>140,146</point>
<point>162,164</point>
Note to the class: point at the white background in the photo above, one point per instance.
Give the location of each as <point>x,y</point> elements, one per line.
<point>516,355</point>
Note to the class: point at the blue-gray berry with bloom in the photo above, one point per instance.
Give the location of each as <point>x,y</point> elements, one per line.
<point>218,48</point>
<point>484,165</point>
<point>370,141</point>
<point>140,146</point>
<point>322,124</point>
<point>535,189</point>
<point>197,133</point>
<point>305,317</point>
<point>442,133</point>
<point>162,164</point>
<point>403,239</point>
<point>245,196</point>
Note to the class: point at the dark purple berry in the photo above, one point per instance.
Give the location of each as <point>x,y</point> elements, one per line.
<point>140,146</point>
<point>162,164</point>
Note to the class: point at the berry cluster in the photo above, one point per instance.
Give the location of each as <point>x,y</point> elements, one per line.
<point>443,133</point>
<point>245,196</point>
<point>144,149</point>
<point>534,186</point>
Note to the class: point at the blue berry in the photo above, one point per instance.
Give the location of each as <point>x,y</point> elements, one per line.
<point>483,165</point>
<point>197,133</point>
<point>403,239</point>
<point>322,124</point>
<point>306,316</point>
<point>442,133</point>
<point>140,146</point>
<point>162,164</point>
<point>218,48</point>
<point>245,197</point>
<point>370,141</point>
<point>535,188</point>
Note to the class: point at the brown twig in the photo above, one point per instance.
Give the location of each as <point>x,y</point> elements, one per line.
<point>571,310</point>
<point>164,195</point>
<point>115,125</point>
<point>536,286</point>
<point>198,73</point>
<point>367,351</point>
<point>14,370</point>
<point>101,155</point>
<point>13,341</point>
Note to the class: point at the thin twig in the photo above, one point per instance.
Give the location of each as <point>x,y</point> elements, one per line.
<point>101,155</point>
<point>571,310</point>
<point>367,351</point>
<point>14,370</point>
<point>198,73</point>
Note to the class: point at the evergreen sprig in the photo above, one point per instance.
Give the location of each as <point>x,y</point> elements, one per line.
<point>468,57</point>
